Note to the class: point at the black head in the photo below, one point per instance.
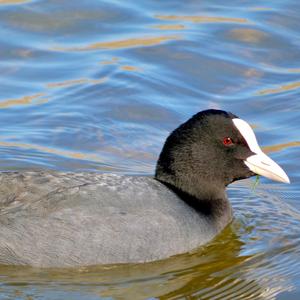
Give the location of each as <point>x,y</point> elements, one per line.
<point>205,154</point>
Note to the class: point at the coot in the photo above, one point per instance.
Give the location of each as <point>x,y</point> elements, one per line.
<point>54,219</point>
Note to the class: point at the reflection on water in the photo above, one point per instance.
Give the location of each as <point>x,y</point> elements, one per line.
<point>247,35</point>
<point>25,100</point>
<point>170,27</point>
<point>130,68</point>
<point>280,147</point>
<point>114,60</point>
<point>13,1</point>
<point>75,82</point>
<point>97,86</point>
<point>128,43</point>
<point>281,88</point>
<point>202,19</point>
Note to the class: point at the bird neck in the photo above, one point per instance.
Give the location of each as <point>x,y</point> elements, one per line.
<point>212,204</point>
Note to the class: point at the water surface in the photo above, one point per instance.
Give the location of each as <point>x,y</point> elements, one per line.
<point>98,85</point>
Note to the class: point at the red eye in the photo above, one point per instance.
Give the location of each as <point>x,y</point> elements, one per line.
<point>227,141</point>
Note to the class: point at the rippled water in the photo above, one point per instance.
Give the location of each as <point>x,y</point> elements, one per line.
<point>97,85</point>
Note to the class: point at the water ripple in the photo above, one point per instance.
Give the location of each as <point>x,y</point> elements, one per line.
<point>98,85</point>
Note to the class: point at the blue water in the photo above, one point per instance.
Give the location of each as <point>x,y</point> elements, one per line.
<point>98,85</point>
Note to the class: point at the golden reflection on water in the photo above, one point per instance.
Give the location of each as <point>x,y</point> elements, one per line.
<point>281,88</point>
<point>291,70</point>
<point>128,43</point>
<point>14,1</point>
<point>170,27</point>
<point>247,35</point>
<point>25,100</point>
<point>130,68</point>
<point>114,60</point>
<point>201,19</point>
<point>72,82</point>
<point>280,147</point>
<point>261,8</point>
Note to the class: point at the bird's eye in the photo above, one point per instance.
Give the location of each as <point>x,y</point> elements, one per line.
<point>227,141</point>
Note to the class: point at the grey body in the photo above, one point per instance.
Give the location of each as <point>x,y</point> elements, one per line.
<point>51,219</point>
